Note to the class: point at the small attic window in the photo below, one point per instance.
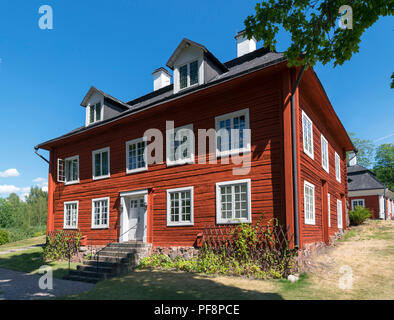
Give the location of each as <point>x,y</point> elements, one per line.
<point>188,75</point>
<point>95,112</point>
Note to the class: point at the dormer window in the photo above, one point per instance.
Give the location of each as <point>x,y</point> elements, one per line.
<point>188,75</point>
<point>95,112</point>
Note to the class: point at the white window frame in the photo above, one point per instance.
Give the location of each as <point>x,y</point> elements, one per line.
<point>197,59</point>
<point>65,170</point>
<point>310,221</point>
<point>358,200</point>
<point>168,145</point>
<point>219,219</point>
<point>338,167</point>
<point>128,144</point>
<point>66,227</point>
<point>180,223</point>
<point>100,226</point>
<point>339,214</point>
<point>247,138</point>
<point>329,209</point>
<point>306,151</point>
<point>90,105</point>
<point>327,168</point>
<point>107,149</point>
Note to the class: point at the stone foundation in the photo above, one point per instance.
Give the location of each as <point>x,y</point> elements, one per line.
<point>172,252</point>
<point>310,250</point>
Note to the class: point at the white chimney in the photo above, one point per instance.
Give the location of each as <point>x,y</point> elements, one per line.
<point>352,159</point>
<point>244,45</point>
<point>161,78</point>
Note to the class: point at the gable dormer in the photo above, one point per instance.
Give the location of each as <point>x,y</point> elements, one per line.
<point>101,106</point>
<point>193,65</point>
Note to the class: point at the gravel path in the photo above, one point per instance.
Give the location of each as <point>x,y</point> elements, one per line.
<point>15,285</point>
<point>20,249</point>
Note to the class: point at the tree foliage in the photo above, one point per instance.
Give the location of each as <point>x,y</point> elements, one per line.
<point>313,27</point>
<point>23,219</point>
<point>365,149</point>
<point>384,164</point>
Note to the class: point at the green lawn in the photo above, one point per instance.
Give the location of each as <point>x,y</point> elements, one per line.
<point>31,260</point>
<point>368,250</point>
<point>23,243</point>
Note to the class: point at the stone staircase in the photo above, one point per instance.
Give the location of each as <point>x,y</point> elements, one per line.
<point>115,259</point>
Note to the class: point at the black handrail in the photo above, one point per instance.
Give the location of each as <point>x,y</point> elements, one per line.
<point>97,254</point>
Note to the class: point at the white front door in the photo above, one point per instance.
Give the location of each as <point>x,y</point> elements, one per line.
<point>136,215</point>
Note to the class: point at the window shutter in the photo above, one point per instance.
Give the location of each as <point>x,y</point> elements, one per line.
<point>60,171</point>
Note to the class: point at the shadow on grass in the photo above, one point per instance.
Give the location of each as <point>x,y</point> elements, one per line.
<point>30,261</point>
<point>168,285</point>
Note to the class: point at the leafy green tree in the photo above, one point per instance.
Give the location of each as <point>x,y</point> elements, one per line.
<point>365,150</point>
<point>384,164</point>
<point>312,25</point>
<point>37,201</point>
<point>6,214</point>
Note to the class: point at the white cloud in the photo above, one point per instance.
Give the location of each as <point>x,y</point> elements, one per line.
<point>7,189</point>
<point>42,183</point>
<point>9,173</point>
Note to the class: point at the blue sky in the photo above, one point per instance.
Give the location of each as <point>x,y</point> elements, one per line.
<point>115,46</point>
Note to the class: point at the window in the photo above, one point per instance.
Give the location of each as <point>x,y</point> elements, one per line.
<point>70,215</point>
<point>232,133</point>
<point>95,112</point>
<point>329,209</point>
<point>307,134</point>
<point>180,207</point>
<point>337,167</point>
<point>233,204</point>
<point>339,213</point>
<point>309,203</point>
<point>324,153</point>
<point>100,213</point>
<point>188,75</point>
<point>71,170</point>
<point>180,145</point>
<point>101,163</point>
<point>135,156</point>
<point>358,202</point>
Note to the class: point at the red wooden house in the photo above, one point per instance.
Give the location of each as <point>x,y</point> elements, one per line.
<point>283,134</point>
<point>367,191</point>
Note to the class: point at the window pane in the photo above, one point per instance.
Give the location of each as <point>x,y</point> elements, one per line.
<point>194,73</point>
<point>183,77</point>
<point>98,111</point>
<point>104,159</point>
<point>91,115</point>
<point>97,165</point>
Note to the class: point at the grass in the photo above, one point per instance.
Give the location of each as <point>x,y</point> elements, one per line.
<point>31,260</point>
<point>23,243</point>
<point>367,249</point>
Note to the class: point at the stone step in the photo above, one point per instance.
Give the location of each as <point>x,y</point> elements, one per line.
<point>130,245</point>
<point>81,278</point>
<point>89,274</point>
<point>104,264</point>
<point>117,254</point>
<point>112,259</point>
<point>122,250</point>
<point>96,268</point>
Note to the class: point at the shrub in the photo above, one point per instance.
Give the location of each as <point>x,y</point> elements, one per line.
<point>358,215</point>
<point>250,250</point>
<point>61,245</point>
<point>4,237</point>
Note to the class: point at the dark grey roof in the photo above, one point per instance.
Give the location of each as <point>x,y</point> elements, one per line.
<point>253,61</point>
<point>360,178</point>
